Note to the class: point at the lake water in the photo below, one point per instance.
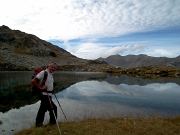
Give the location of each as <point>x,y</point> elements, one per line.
<point>93,95</point>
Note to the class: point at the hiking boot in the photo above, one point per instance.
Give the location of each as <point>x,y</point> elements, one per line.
<point>39,124</point>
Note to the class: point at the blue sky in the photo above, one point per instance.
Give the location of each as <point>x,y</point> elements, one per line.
<point>91,29</point>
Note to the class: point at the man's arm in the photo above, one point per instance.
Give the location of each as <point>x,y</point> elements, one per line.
<point>35,82</point>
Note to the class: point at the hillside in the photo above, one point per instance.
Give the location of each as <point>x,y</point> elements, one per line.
<point>22,51</point>
<point>141,60</point>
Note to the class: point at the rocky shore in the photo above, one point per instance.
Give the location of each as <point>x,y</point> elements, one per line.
<point>148,71</point>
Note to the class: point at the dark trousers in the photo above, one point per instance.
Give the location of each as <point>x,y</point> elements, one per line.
<point>44,107</point>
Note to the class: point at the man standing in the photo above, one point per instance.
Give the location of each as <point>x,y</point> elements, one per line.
<point>45,103</point>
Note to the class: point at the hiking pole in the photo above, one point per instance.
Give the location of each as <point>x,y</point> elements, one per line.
<point>54,113</point>
<point>60,106</point>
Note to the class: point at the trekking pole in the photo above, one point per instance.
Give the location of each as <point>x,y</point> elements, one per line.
<point>60,106</point>
<point>54,113</point>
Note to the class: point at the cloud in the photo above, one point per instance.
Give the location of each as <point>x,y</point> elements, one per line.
<point>65,20</point>
<point>165,87</point>
<point>92,20</point>
<point>138,47</point>
<point>95,50</point>
<point>164,52</point>
<point>91,88</point>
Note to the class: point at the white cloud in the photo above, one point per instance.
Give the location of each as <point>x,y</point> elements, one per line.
<point>166,52</point>
<point>162,52</point>
<point>91,88</point>
<point>94,50</point>
<point>138,47</point>
<point>78,19</point>
<point>165,87</point>
<point>91,19</point>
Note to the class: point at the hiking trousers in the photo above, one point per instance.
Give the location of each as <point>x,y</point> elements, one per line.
<point>44,107</point>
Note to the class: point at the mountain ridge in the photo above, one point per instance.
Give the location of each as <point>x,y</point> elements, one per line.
<point>140,61</point>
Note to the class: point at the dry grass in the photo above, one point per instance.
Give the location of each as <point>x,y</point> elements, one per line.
<point>112,126</point>
<point>0,122</point>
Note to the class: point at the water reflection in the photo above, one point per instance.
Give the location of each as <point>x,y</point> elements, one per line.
<point>163,99</point>
<point>96,95</point>
<point>15,86</point>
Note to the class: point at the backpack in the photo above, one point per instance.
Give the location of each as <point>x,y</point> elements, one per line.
<point>35,90</point>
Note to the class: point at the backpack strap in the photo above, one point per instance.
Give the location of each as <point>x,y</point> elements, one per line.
<point>44,78</point>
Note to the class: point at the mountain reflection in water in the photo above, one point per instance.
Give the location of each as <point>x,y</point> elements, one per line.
<point>97,95</point>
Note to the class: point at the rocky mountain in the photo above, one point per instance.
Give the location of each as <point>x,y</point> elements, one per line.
<point>23,51</point>
<point>130,61</point>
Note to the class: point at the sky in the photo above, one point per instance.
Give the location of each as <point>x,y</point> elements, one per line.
<point>91,29</point>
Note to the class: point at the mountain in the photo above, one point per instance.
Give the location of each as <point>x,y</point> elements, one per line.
<point>23,51</point>
<point>130,61</point>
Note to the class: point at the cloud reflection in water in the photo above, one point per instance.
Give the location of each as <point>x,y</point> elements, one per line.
<point>97,99</point>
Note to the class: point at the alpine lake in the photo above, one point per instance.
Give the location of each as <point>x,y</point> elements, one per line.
<point>85,95</point>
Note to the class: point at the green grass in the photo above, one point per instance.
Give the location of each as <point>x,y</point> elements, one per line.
<point>112,126</point>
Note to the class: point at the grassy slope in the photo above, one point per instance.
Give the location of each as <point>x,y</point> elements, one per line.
<point>112,126</point>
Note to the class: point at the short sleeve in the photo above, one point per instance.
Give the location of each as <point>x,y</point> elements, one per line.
<point>40,75</point>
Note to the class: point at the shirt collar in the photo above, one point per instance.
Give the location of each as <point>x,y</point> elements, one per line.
<point>48,71</point>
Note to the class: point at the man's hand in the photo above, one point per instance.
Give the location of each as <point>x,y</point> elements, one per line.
<point>44,87</point>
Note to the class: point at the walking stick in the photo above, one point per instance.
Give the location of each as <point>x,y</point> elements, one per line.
<point>54,113</point>
<point>60,106</point>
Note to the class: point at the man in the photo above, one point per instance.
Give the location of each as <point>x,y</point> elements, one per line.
<point>45,103</point>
